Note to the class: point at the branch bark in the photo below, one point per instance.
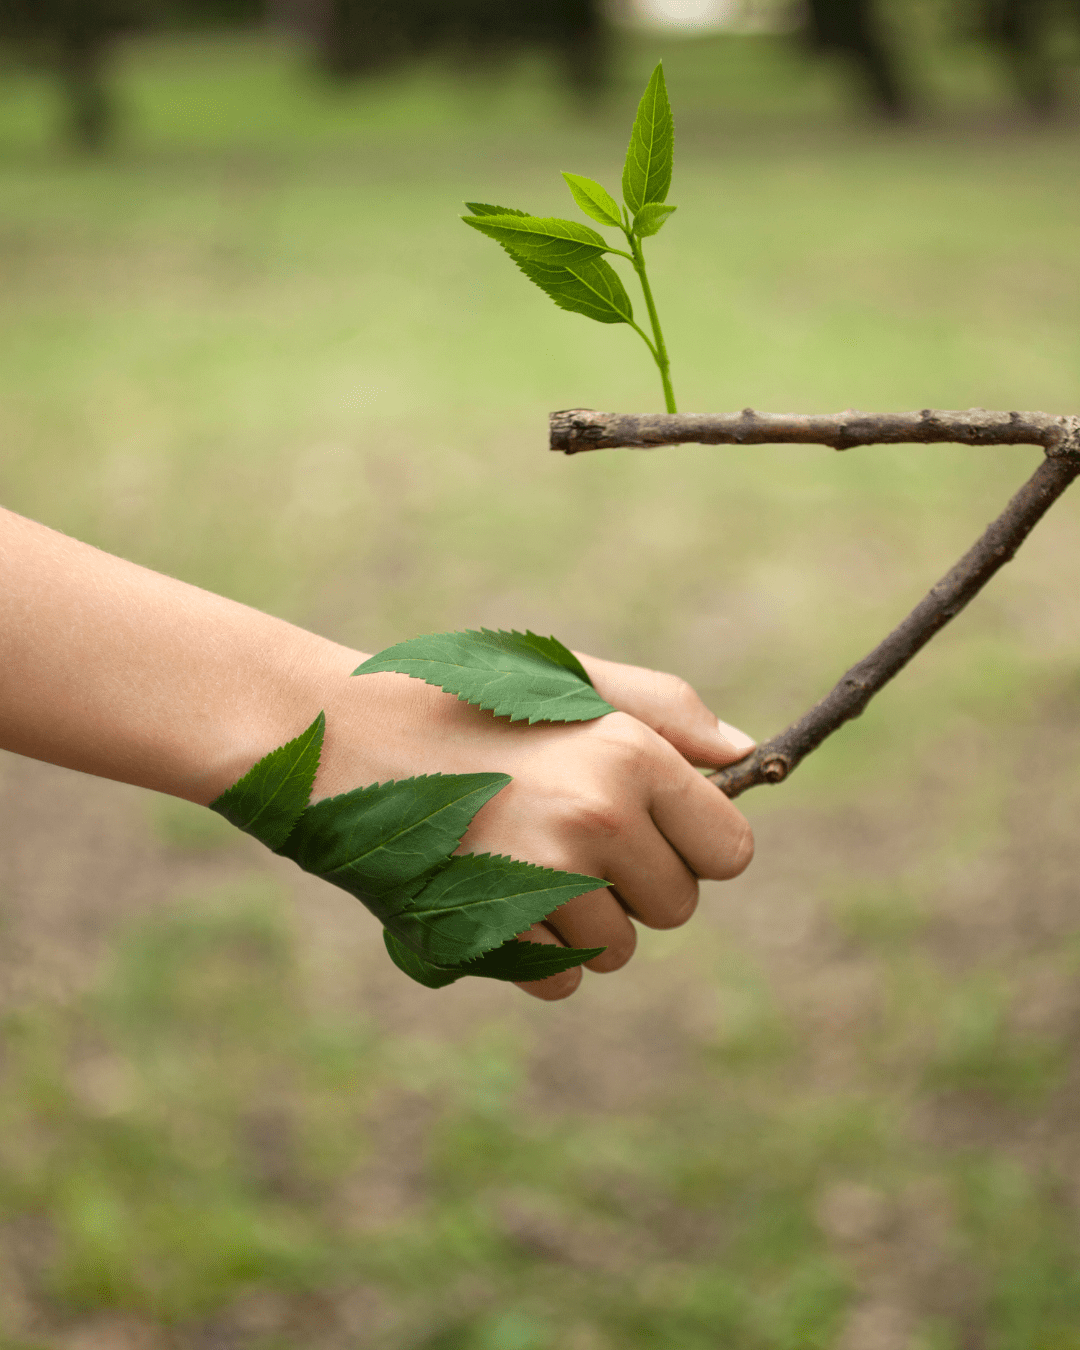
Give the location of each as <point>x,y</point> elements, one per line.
<point>772,762</point>
<point>580,429</point>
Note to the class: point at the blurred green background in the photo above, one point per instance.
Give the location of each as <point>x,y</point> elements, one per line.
<point>252,347</point>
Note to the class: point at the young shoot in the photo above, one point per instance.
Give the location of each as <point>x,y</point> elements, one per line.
<point>565,258</point>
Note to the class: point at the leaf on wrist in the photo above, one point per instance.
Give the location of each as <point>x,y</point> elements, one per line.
<point>479,901</point>
<point>486,209</point>
<point>270,798</point>
<point>594,199</point>
<point>650,154</point>
<point>652,218</point>
<point>384,842</point>
<point>516,675</point>
<point>541,239</point>
<point>592,288</point>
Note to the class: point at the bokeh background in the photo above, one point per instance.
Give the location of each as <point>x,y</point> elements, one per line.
<point>246,342</point>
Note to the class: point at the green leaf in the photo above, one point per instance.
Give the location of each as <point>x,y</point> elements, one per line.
<point>651,219</point>
<point>478,901</point>
<point>597,203</point>
<point>382,843</point>
<point>523,960</point>
<point>515,675</point>
<point>591,288</point>
<point>541,239</point>
<point>650,154</point>
<point>423,972</point>
<point>514,961</point>
<point>485,209</point>
<point>270,798</point>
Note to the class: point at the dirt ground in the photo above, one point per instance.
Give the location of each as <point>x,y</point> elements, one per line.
<point>862,988</point>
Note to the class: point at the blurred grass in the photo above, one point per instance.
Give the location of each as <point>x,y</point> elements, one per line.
<point>253,348</point>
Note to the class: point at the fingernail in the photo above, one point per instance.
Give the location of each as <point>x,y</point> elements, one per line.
<point>734,737</point>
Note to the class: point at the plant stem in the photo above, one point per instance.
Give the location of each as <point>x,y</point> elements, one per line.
<point>660,355</point>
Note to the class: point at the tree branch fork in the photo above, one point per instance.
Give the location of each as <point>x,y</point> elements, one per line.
<point>582,429</point>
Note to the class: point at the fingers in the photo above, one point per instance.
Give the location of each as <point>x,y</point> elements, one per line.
<point>596,920</point>
<point>672,708</point>
<point>650,802</point>
<point>700,823</point>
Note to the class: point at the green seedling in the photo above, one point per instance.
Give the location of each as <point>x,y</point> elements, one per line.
<point>565,258</point>
<point>392,845</point>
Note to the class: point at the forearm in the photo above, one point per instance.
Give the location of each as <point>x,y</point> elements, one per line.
<point>118,671</point>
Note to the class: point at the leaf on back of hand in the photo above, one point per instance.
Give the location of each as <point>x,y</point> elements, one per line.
<point>515,675</point>
<point>523,960</point>
<point>478,901</point>
<point>423,972</point>
<point>595,200</point>
<point>270,798</point>
<point>651,152</point>
<point>652,218</point>
<point>486,209</point>
<point>541,239</point>
<point>591,288</point>
<point>382,843</point>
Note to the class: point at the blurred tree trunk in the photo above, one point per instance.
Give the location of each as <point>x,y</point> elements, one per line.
<point>1021,29</point>
<point>359,37</point>
<point>853,28</point>
<point>81,59</point>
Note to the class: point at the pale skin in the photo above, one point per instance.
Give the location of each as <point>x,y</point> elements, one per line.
<point>114,670</point>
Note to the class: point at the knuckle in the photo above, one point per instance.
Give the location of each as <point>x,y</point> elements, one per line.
<point>628,741</point>
<point>591,815</point>
<point>683,695</point>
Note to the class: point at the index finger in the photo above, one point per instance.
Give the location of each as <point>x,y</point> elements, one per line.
<point>704,827</point>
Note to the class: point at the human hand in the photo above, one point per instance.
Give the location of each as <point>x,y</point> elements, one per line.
<point>114,670</point>
<point>615,797</point>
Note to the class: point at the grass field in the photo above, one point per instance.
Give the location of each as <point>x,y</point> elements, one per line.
<point>252,347</point>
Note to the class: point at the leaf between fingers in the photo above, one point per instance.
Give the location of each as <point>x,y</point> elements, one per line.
<point>478,901</point>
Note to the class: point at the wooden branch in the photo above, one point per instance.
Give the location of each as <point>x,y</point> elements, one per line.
<point>580,429</point>
<point>773,761</point>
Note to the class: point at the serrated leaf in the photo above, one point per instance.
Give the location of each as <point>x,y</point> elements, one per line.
<point>650,154</point>
<point>486,209</point>
<point>382,843</point>
<point>652,218</point>
<point>591,288</point>
<point>514,961</point>
<point>541,239</point>
<point>515,675</point>
<point>596,201</point>
<point>423,972</point>
<point>523,960</point>
<point>270,798</point>
<point>478,901</point>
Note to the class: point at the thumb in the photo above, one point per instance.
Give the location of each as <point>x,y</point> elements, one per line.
<point>671,707</point>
